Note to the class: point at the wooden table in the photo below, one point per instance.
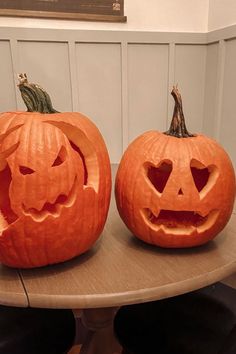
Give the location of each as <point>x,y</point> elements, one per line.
<point>119,270</point>
<point>12,291</point>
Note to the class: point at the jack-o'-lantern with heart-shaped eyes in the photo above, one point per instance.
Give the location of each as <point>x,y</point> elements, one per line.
<point>55,182</point>
<point>175,189</point>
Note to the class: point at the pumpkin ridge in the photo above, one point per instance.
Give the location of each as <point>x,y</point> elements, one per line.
<point>154,146</point>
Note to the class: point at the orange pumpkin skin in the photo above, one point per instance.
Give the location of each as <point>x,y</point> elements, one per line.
<point>55,185</point>
<point>175,192</point>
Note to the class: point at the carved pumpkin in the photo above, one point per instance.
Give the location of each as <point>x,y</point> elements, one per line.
<point>175,189</point>
<point>55,183</point>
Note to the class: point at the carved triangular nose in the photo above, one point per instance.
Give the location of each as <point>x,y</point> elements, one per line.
<point>180,192</point>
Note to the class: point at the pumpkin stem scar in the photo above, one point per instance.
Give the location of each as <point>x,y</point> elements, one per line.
<point>177,127</point>
<point>34,96</point>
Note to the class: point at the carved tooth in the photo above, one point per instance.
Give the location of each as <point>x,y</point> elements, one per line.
<point>202,213</point>
<point>40,215</point>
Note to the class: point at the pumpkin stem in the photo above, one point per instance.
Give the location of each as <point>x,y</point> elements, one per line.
<point>35,97</point>
<point>177,126</point>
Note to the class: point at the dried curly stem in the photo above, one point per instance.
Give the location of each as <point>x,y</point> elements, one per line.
<point>35,97</point>
<point>178,128</point>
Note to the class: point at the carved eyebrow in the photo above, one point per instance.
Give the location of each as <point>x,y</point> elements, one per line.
<point>9,151</point>
<point>9,131</point>
<point>83,146</point>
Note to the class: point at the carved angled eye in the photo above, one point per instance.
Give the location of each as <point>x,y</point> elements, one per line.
<point>60,157</point>
<point>159,176</point>
<point>24,170</point>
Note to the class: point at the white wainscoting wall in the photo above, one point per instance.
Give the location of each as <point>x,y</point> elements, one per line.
<point>122,79</point>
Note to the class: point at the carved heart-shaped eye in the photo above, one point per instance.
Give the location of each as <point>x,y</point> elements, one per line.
<point>203,176</point>
<point>159,175</point>
<point>60,157</point>
<point>200,174</point>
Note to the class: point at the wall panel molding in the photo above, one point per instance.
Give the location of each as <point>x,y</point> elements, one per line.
<point>221,34</point>
<point>73,75</point>
<point>219,87</point>
<point>171,83</point>
<point>15,68</point>
<point>101,36</point>
<point>124,94</point>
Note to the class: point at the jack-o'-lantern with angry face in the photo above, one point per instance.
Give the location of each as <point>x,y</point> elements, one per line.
<point>175,189</point>
<point>55,183</point>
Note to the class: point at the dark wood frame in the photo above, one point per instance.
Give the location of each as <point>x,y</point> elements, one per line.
<point>97,10</point>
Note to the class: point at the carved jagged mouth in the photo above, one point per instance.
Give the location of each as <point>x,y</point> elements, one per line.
<point>179,220</point>
<point>53,208</point>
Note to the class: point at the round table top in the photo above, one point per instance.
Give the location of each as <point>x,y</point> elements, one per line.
<point>120,269</point>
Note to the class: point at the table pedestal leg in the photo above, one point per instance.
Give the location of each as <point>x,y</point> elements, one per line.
<point>100,338</point>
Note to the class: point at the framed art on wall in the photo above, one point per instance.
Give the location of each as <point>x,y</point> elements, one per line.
<point>85,10</point>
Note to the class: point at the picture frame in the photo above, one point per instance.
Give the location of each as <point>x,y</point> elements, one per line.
<point>84,10</point>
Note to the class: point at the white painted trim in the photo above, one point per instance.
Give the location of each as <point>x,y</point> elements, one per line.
<point>124,95</point>
<point>219,88</point>
<point>15,69</point>
<point>73,76</point>
<point>221,34</point>
<point>39,34</point>
<point>29,34</point>
<point>171,82</point>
